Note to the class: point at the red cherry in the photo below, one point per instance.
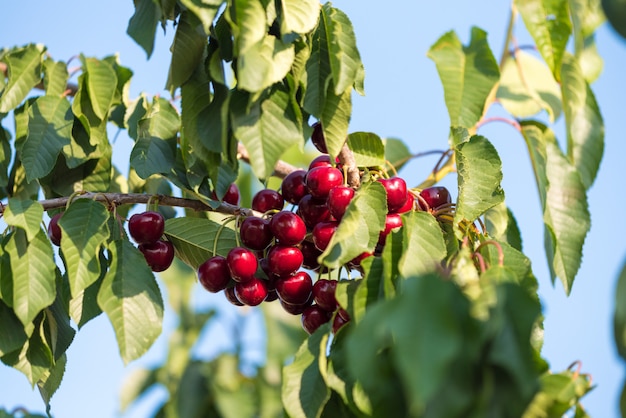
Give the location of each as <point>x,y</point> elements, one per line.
<point>295,289</point>
<point>313,211</point>
<point>283,260</point>
<point>323,232</point>
<point>54,230</point>
<point>314,317</point>
<point>317,138</point>
<point>232,195</point>
<point>356,261</point>
<point>213,274</point>
<point>242,264</point>
<point>296,309</point>
<point>272,295</point>
<point>159,255</point>
<point>392,221</point>
<point>288,228</point>
<point>255,233</point>
<point>436,197</point>
<point>320,180</point>
<point>396,193</point>
<point>320,161</point>
<point>310,253</point>
<point>293,187</point>
<point>252,292</point>
<point>266,200</point>
<point>229,292</point>
<point>408,205</point>
<point>341,319</point>
<point>338,200</point>
<point>324,294</point>
<point>146,227</point>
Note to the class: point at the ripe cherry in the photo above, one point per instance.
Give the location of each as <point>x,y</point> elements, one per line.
<point>146,227</point>
<point>320,161</point>
<point>310,253</point>
<point>54,230</point>
<point>242,264</point>
<point>229,292</point>
<point>213,274</point>
<point>392,221</point>
<point>294,187</point>
<point>284,260</point>
<point>317,138</point>
<point>408,205</point>
<point>320,180</point>
<point>338,200</point>
<point>396,193</point>
<point>295,289</point>
<point>288,228</point>
<point>314,317</point>
<point>232,195</point>
<point>296,309</point>
<point>324,294</point>
<point>255,233</point>
<point>323,232</point>
<point>266,200</point>
<point>436,196</point>
<point>313,211</point>
<point>252,292</point>
<point>159,255</point>
<point>340,320</point>
<point>272,295</point>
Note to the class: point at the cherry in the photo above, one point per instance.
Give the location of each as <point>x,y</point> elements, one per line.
<point>252,292</point>
<point>229,292</point>
<point>310,253</point>
<point>317,138</point>
<point>272,295</point>
<point>314,317</point>
<point>324,294</point>
<point>146,227</point>
<point>296,309</point>
<point>356,261</point>
<point>288,228</point>
<point>341,319</point>
<point>283,260</point>
<point>320,180</point>
<point>266,200</point>
<point>339,198</point>
<point>159,255</point>
<point>242,264</point>
<point>397,193</point>
<point>213,274</point>
<point>313,211</point>
<point>323,232</point>
<point>392,221</point>
<point>54,230</point>
<point>408,205</point>
<point>436,196</point>
<point>232,196</point>
<point>293,187</point>
<point>295,289</point>
<point>320,161</point>
<point>255,233</point>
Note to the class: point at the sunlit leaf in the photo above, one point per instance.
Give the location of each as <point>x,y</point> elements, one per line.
<point>187,50</point>
<point>51,380</point>
<point>368,149</point>
<point>501,225</point>
<point>299,16</point>
<point>264,63</point>
<point>424,244</point>
<point>248,23</point>
<point>55,77</point>
<point>24,70</point>
<point>101,83</point>
<point>335,119</point>
<point>26,214</point>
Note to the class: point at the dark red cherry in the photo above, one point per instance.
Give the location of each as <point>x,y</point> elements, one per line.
<point>213,274</point>
<point>356,261</point>
<point>229,292</point>
<point>255,233</point>
<point>242,264</point>
<point>232,195</point>
<point>314,317</point>
<point>408,205</point>
<point>338,200</point>
<point>146,227</point>
<point>317,138</point>
<point>252,292</point>
<point>320,161</point>
<point>392,221</point>
<point>313,211</point>
<point>283,260</point>
<point>266,200</point>
<point>294,188</point>
<point>320,180</point>
<point>159,255</point>
<point>323,232</point>
<point>272,295</point>
<point>324,294</point>
<point>296,309</point>
<point>435,197</point>
<point>295,289</point>
<point>54,230</point>
<point>288,228</point>
<point>310,253</point>
<point>396,193</point>
<point>340,320</point>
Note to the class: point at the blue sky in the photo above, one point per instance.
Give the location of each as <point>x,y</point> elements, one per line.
<point>404,100</point>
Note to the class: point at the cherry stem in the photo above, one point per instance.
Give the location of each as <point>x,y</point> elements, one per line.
<point>481,262</point>
<point>515,124</point>
<point>437,167</point>
<point>219,232</point>
<point>498,247</point>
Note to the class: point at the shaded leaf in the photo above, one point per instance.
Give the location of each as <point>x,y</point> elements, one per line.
<point>55,77</point>
<point>142,25</point>
<point>13,335</point>
<point>101,83</point>
<point>619,316</point>
<point>502,226</point>
<point>335,119</point>
<point>24,71</point>
<point>424,244</point>
<point>205,10</point>
<point>187,50</point>
<point>397,154</point>
<point>26,214</point>
<point>318,72</point>
<point>51,380</point>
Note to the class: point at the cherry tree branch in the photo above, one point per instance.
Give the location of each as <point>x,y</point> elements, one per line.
<point>281,169</point>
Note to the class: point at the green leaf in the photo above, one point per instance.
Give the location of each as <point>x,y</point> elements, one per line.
<point>304,391</point>
<point>26,214</point>
<point>397,154</point>
<point>187,50</point>
<point>205,10</point>
<point>335,119</point>
<point>142,25</point>
<point>50,122</point>
<point>58,331</point>
<point>13,335</point>
<point>619,317</point>
<point>589,59</point>
<point>33,270</point>
<point>101,83</point>
<point>84,230</point>
<point>135,384</point>
<point>587,16</point>
<point>51,380</point>
<point>548,22</point>
<point>468,74</point>
<point>193,238</point>
<point>318,72</point>
<point>55,77</point>
<point>84,306</point>
<point>527,87</point>
<point>89,137</point>
<point>423,240</point>
<point>585,127</point>
<point>299,16</point>
<point>267,129</point>
<point>24,71</point>
<point>93,175</point>
<point>264,63</point>
<point>359,228</point>
<point>368,149</point>
<point>248,23</point>
<point>616,15</point>
<point>502,226</point>
<point>5,156</point>
<point>131,299</point>
<point>480,174</point>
